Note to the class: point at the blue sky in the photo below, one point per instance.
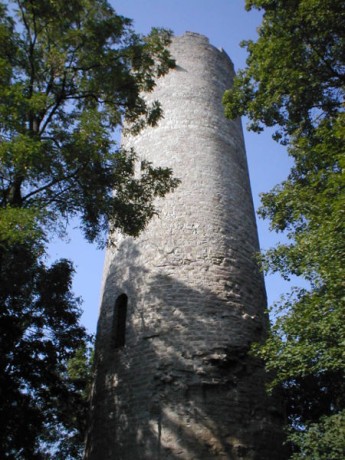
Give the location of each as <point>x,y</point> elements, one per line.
<point>226,24</point>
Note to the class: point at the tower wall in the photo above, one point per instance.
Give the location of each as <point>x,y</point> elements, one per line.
<point>182,385</point>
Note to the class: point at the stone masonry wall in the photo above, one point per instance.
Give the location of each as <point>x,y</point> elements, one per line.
<point>183,385</point>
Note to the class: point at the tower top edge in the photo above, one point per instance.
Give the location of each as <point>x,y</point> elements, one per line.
<point>196,35</point>
<point>201,39</point>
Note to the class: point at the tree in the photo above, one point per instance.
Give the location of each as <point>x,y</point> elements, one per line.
<point>294,81</point>
<point>70,72</point>
<point>39,335</point>
<point>295,70</point>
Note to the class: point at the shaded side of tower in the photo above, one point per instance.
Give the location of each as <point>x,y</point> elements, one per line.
<point>183,302</point>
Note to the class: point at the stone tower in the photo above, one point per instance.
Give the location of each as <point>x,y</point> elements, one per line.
<point>183,302</point>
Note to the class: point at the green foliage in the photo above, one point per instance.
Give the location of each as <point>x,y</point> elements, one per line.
<point>295,70</point>
<point>306,347</point>
<point>295,80</point>
<point>68,75</point>
<point>80,369</point>
<point>323,441</point>
<point>18,225</point>
<point>39,334</point>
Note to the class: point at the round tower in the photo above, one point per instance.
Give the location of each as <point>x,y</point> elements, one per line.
<point>183,302</point>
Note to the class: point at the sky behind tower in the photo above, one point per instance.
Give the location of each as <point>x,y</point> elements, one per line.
<point>226,24</point>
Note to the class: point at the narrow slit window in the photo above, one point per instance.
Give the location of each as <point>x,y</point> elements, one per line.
<point>119,321</point>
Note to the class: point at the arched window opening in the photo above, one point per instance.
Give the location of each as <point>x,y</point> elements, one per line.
<point>119,321</point>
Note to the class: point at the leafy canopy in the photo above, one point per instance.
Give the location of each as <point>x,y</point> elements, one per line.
<point>295,81</point>
<point>69,72</point>
<point>41,405</point>
<point>295,70</point>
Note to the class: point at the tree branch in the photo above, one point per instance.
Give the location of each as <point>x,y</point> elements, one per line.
<point>51,184</point>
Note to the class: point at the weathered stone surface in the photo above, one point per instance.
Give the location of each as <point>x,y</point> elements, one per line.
<point>183,386</point>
